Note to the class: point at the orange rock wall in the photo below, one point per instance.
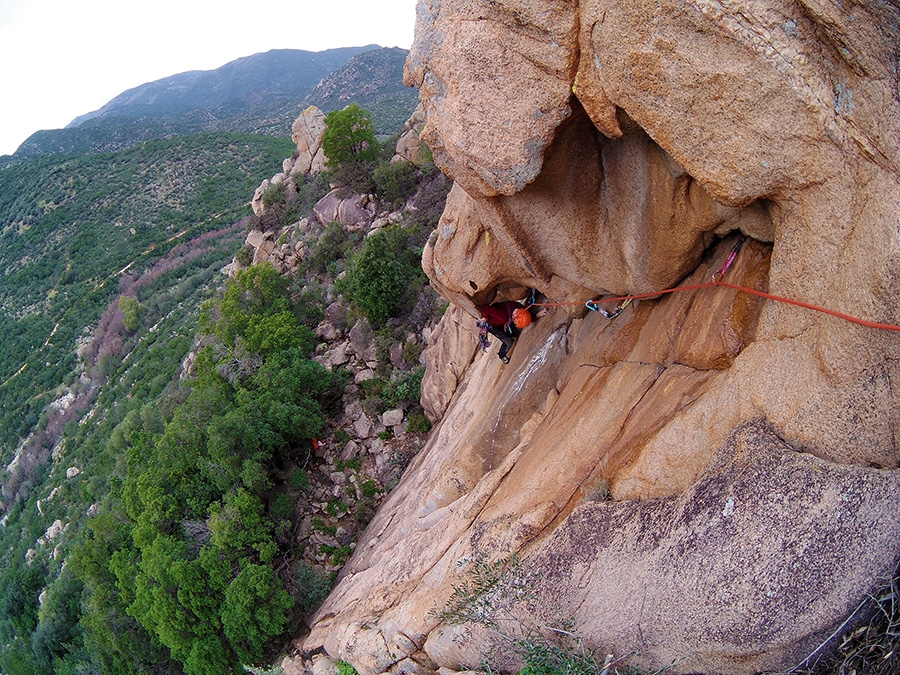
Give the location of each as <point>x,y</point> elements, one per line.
<point>750,447</point>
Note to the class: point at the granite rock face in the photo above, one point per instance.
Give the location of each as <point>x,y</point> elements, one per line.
<point>307,133</point>
<point>750,447</point>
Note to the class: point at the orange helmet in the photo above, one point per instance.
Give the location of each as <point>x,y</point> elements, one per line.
<point>522,318</point>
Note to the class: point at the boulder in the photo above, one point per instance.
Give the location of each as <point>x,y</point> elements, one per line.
<point>392,417</point>
<point>364,375</point>
<point>263,252</point>
<point>355,212</point>
<point>256,203</point>
<point>363,427</point>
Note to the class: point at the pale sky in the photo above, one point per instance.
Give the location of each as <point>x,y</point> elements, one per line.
<point>63,58</point>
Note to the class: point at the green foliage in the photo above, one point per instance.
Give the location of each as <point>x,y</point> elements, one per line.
<point>382,276</point>
<point>196,569</point>
<point>351,148</point>
<point>339,554</point>
<point>354,464</point>
<point>58,631</point>
<point>245,255</point>
<point>256,608</point>
<point>319,525</point>
<point>300,480</point>
<point>417,423</point>
<point>345,668</point>
<point>273,194</point>
<point>311,588</point>
<point>310,188</point>
<point>70,227</point>
<point>477,598</point>
<point>336,507</point>
<point>281,507</point>
<point>542,657</point>
<point>332,245</point>
<point>395,181</point>
<point>349,137</point>
<point>130,309</point>
<point>177,571</point>
<point>405,389</point>
<point>369,488</point>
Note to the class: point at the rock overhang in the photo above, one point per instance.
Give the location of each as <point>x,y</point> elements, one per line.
<point>687,122</point>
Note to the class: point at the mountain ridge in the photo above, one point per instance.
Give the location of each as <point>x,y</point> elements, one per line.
<point>262,93</point>
<point>195,89</point>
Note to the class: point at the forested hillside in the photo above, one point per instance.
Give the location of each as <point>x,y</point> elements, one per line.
<point>106,259</point>
<point>172,436</point>
<point>73,229</point>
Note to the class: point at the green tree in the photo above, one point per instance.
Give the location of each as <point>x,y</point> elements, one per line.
<point>130,309</point>
<point>349,137</point>
<point>256,609</point>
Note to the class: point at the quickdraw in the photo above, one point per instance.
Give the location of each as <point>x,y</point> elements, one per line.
<point>592,305</point>
<point>718,276</point>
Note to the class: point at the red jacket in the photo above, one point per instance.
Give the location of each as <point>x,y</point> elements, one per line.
<point>501,313</point>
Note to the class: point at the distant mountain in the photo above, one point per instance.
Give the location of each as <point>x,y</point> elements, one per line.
<point>241,87</point>
<point>262,93</point>
<point>374,80</point>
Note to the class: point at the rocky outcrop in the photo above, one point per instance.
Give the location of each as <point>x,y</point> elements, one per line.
<point>409,145</point>
<point>307,133</point>
<point>749,447</point>
<point>287,247</point>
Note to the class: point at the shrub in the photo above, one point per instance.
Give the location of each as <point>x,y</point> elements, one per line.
<point>330,247</point>
<point>336,507</point>
<point>281,508</point>
<point>300,480</point>
<point>245,255</point>
<point>418,423</point>
<point>345,668</point>
<point>131,310</point>
<point>405,389</point>
<point>273,194</point>
<point>385,275</point>
<point>255,610</point>
<point>339,554</point>
<point>310,587</point>
<point>395,181</point>
<point>310,189</point>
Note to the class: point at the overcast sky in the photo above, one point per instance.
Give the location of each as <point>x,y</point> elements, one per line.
<point>63,58</point>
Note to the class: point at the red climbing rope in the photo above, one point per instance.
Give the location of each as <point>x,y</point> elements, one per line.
<point>718,280</point>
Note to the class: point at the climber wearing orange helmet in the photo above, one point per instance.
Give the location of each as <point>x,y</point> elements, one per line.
<point>502,320</point>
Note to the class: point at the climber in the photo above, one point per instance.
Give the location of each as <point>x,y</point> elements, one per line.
<point>503,320</point>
